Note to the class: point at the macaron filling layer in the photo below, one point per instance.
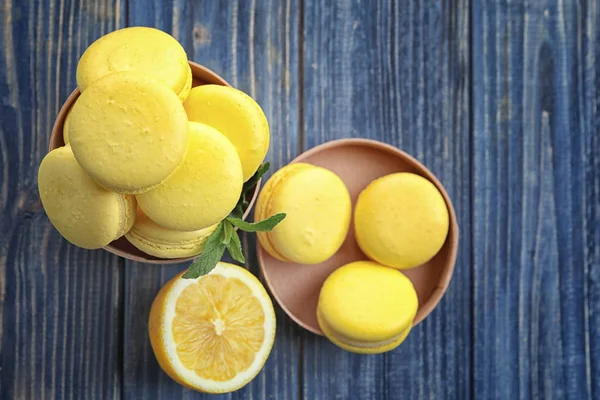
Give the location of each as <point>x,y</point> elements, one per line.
<point>153,239</point>
<point>184,90</point>
<point>359,343</point>
<point>165,248</point>
<point>128,207</point>
<point>263,207</point>
<point>165,244</point>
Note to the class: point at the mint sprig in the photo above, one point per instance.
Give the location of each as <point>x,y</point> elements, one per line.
<point>225,235</point>
<point>235,246</point>
<point>228,232</point>
<point>266,225</point>
<point>210,256</point>
<point>247,189</point>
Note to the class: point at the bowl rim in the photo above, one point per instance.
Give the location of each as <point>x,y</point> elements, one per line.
<point>452,238</point>
<point>200,73</point>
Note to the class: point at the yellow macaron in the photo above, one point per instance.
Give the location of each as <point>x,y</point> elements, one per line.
<point>318,211</point>
<point>367,308</point>
<point>128,132</point>
<point>66,127</point>
<point>237,116</point>
<point>84,213</point>
<point>401,220</point>
<point>203,190</point>
<point>141,50</point>
<point>157,241</point>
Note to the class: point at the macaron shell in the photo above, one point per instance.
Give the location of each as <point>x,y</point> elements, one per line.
<point>158,241</point>
<point>84,213</point>
<point>184,91</point>
<point>203,190</point>
<point>66,127</point>
<point>128,131</point>
<point>138,49</point>
<point>367,302</point>
<point>363,349</point>
<point>401,220</point>
<point>237,116</point>
<point>263,209</point>
<point>318,211</point>
<point>128,213</point>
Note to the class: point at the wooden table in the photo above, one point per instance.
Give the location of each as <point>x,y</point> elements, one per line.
<point>500,99</point>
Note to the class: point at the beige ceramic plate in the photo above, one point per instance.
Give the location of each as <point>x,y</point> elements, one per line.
<point>122,247</point>
<point>357,161</point>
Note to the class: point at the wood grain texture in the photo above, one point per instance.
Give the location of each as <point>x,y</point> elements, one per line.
<point>254,46</point>
<point>60,306</point>
<point>499,98</point>
<point>536,199</point>
<point>396,72</point>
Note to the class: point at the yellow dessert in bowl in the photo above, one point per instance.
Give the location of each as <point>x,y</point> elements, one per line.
<point>318,211</point>
<point>203,190</point>
<point>237,116</point>
<point>65,131</point>
<point>141,50</point>
<point>84,213</point>
<point>401,220</point>
<point>151,238</point>
<point>367,308</point>
<point>128,132</point>
<point>59,137</point>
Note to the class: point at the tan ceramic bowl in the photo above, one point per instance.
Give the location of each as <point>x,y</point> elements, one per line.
<point>296,287</point>
<point>122,247</point>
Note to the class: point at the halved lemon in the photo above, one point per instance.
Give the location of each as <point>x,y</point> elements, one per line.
<point>213,333</point>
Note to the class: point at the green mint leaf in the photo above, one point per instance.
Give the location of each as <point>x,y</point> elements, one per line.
<point>235,248</point>
<point>250,183</point>
<point>227,232</point>
<point>210,256</point>
<point>215,238</point>
<point>247,189</point>
<point>265,225</point>
<point>238,211</point>
<point>206,262</point>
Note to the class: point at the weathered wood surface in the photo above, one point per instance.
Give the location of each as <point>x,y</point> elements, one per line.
<point>501,99</point>
<point>536,199</point>
<point>60,306</point>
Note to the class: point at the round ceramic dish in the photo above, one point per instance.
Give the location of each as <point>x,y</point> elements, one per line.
<point>122,247</point>
<point>296,287</point>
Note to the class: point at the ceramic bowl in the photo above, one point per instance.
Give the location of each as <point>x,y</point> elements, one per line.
<point>296,287</point>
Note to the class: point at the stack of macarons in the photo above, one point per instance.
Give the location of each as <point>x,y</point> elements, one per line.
<point>147,156</point>
<point>400,222</point>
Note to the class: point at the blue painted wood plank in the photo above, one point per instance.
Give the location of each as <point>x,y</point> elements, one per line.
<point>536,199</point>
<point>589,100</point>
<point>60,306</point>
<point>253,45</point>
<point>397,72</point>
